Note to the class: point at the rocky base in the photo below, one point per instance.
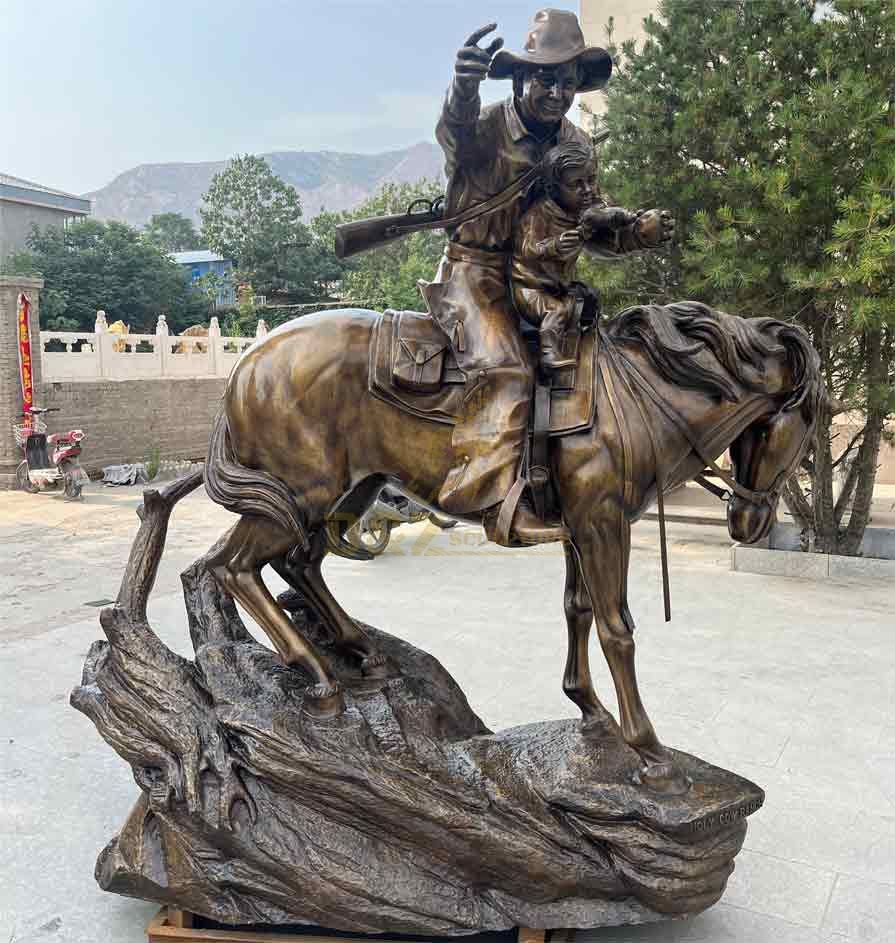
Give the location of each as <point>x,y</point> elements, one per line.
<point>403,814</point>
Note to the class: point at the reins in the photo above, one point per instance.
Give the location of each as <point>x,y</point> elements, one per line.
<point>754,497</point>
<point>614,355</point>
<point>767,496</point>
<point>643,386</point>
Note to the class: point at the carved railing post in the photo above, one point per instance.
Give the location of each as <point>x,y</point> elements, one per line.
<point>214,345</point>
<point>162,351</point>
<point>103,345</point>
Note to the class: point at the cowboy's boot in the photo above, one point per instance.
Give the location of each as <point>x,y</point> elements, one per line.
<point>523,527</point>
<point>553,355</point>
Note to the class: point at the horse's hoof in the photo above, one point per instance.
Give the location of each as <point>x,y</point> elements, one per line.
<point>664,778</point>
<point>598,723</point>
<point>324,700</point>
<point>374,666</point>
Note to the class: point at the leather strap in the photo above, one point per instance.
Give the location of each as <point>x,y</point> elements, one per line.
<point>539,468</point>
<point>660,483</point>
<point>663,543</point>
<point>507,512</point>
<point>755,497</point>
<point>491,205</point>
<point>712,488</point>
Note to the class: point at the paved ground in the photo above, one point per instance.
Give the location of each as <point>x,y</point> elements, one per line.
<point>787,682</point>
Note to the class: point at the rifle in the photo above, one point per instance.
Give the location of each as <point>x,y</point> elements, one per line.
<point>364,234</point>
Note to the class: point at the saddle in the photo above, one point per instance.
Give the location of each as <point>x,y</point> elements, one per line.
<point>413,368</point>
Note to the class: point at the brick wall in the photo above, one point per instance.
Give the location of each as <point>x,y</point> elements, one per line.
<point>124,419</point>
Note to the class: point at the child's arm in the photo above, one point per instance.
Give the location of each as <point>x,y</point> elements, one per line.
<point>560,247</point>
<point>612,231</point>
<point>535,244</point>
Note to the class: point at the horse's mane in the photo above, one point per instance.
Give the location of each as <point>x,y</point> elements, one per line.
<point>673,335</point>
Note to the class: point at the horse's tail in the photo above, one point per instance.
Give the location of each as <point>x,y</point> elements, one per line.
<point>246,490</point>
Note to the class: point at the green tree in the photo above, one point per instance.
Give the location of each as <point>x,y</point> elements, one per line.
<point>387,277</point>
<point>241,321</point>
<point>211,284</point>
<point>328,269</point>
<point>769,130</point>
<point>92,265</point>
<point>253,217</point>
<point>172,232</point>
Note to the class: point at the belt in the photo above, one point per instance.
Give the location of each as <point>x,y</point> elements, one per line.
<point>483,257</point>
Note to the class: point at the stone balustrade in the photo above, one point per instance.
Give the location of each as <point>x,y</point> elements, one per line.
<point>103,354</point>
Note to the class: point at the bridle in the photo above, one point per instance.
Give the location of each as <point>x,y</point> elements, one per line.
<point>767,497</point>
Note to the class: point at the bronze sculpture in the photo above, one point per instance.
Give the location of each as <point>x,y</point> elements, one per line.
<point>623,411</point>
<point>722,381</point>
<point>485,151</point>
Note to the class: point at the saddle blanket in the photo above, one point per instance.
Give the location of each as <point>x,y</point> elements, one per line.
<point>412,367</point>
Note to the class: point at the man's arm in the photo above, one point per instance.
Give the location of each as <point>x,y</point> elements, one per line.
<point>462,105</point>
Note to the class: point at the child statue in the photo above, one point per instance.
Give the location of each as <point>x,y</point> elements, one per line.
<point>564,212</point>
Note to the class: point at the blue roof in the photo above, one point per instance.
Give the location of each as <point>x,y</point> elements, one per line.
<point>199,255</point>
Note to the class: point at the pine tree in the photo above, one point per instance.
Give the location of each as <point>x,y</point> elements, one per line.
<point>769,130</point>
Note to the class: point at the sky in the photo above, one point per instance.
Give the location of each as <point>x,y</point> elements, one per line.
<point>91,88</point>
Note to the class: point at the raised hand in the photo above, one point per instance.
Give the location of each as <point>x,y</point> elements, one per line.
<point>473,62</point>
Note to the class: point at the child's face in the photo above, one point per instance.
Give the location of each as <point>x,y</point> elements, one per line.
<point>577,188</point>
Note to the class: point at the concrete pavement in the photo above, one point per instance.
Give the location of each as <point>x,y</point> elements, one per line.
<point>783,681</point>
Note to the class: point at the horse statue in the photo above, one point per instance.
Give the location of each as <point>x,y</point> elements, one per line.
<point>300,443</point>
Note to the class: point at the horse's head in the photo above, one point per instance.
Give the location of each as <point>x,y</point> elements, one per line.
<point>764,456</point>
<point>764,366</point>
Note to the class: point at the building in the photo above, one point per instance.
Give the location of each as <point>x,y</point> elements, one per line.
<point>24,205</point>
<point>627,24</point>
<point>204,262</point>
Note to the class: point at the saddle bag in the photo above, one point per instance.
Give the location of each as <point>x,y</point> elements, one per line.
<point>418,365</point>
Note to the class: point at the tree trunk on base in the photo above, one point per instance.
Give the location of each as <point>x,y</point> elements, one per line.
<point>403,814</point>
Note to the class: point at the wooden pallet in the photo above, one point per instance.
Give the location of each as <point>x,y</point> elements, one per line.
<point>176,926</point>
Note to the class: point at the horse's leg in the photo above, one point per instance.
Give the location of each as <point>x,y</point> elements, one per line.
<point>236,563</point>
<point>303,574</point>
<point>576,683</point>
<point>605,552</point>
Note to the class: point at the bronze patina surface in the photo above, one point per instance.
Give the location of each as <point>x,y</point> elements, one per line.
<point>402,814</point>
<point>345,780</point>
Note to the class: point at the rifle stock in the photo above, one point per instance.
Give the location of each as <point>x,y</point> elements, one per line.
<point>364,234</point>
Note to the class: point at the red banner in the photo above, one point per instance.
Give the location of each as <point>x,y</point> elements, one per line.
<point>25,362</point>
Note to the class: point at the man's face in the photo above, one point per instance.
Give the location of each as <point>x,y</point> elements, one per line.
<point>549,92</point>
<point>577,189</point>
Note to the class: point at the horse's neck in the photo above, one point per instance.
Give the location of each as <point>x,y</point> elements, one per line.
<point>711,423</point>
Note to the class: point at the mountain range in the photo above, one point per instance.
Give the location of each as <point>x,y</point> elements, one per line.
<point>324,180</point>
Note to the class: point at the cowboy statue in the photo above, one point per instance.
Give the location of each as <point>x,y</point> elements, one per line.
<point>491,154</point>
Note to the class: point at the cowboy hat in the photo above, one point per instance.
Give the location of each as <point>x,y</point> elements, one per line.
<point>555,38</point>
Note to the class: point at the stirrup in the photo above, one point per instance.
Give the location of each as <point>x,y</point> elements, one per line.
<point>508,511</point>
